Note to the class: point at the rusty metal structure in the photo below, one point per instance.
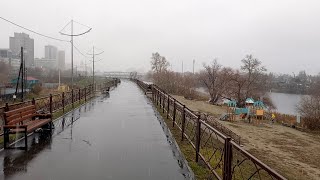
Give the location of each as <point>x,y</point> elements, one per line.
<point>222,154</point>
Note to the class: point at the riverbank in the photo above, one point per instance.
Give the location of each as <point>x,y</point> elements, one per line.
<point>293,153</point>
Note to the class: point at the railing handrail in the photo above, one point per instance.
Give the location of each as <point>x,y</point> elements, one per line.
<point>229,143</point>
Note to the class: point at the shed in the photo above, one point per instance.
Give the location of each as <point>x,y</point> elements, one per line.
<point>31,81</point>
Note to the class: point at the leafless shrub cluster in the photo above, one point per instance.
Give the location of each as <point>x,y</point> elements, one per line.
<point>309,108</point>
<point>172,82</point>
<point>221,82</point>
<point>249,81</point>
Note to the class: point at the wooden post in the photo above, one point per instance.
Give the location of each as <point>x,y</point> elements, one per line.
<point>79,95</point>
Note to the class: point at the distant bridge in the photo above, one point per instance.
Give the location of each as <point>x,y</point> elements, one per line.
<point>123,75</point>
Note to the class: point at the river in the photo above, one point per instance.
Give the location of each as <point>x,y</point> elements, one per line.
<point>285,103</point>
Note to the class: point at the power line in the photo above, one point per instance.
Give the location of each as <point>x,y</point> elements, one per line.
<point>72,21</point>
<point>40,34</point>
<point>72,46</point>
<point>80,52</point>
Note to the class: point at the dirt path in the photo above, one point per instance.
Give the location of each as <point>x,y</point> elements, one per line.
<point>292,153</point>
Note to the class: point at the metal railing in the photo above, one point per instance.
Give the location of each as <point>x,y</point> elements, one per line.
<point>58,102</point>
<point>223,155</point>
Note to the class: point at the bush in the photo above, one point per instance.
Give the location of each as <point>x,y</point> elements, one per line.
<point>309,109</point>
<point>36,89</point>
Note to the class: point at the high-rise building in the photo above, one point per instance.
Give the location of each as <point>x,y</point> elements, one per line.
<point>51,52</point>
<point>22,40</point>
<point>61,60</point>
<point>5,53</point>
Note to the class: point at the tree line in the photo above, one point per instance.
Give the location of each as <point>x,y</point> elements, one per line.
<point>250,80</point>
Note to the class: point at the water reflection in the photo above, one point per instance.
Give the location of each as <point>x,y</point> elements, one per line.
<point>116,138</point>
<point>17,162</point>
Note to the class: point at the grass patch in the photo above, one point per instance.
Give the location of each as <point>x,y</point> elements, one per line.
<point>200,171</point>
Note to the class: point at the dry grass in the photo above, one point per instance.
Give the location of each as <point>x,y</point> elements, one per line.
<point>292,153</point>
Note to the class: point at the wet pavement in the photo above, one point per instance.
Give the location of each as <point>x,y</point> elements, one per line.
<point>112,137</point>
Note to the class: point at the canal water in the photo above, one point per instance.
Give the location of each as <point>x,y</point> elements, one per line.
<point>112,137</point>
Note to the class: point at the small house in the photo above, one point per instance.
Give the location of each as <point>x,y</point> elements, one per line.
<point>30,81</point>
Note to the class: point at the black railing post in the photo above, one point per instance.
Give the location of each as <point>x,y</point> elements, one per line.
<point>85,94</point>
<point>168,107</point>
<point>157,98</point>
<point>198,135</point>
<point>50,106</point>
<point>160,99</point>
<point>79,95</point>
<point>72,98</point>
<point>183,122</point>
<point>174,113</point>
<point>63,102</point>
<point>92,90</point>
<point>163,103</point>
<point>227,162</point>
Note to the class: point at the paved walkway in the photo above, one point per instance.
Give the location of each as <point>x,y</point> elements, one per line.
<point>116,137</point>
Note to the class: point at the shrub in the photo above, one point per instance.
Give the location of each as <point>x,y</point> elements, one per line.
<point>309,109</point>
<point>36,89</point>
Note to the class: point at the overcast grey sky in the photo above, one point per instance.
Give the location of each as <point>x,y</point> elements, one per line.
<point>284,34</point>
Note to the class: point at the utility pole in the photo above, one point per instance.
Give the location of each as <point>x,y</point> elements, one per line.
<point>85,67</point>
<point>93,61</point>
<point>22,74</point>
<point>72,35</point>
<point>71,53</point>
<point>182,68</point>
<point>59,77</point>
<point>93,66</point>
<point>193,66</point>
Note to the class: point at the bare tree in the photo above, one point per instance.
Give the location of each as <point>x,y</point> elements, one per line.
<point>238,87</point>
<point>159,63</point>
<point>251,81</point>
<point>212,80</point>
<point>309,106</point>
<point>309,109</point>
